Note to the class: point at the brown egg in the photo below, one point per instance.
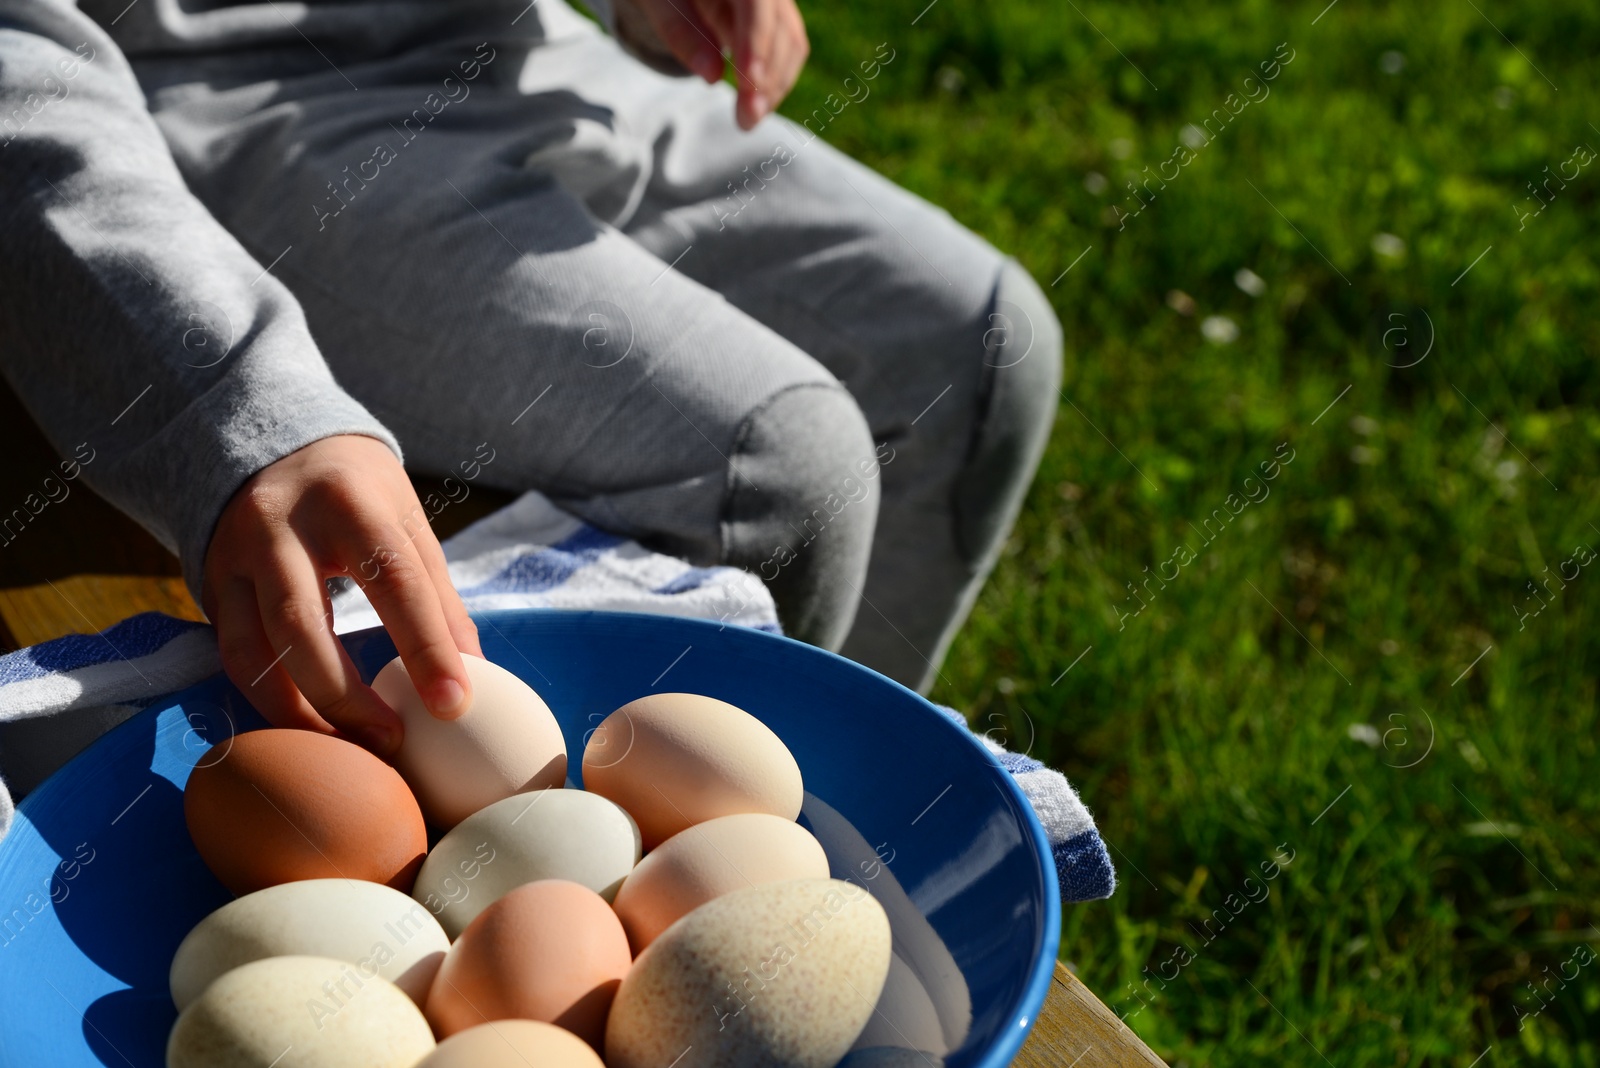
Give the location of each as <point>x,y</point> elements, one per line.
<point>551,951</point>
<point>512,1044</point>
<point>672,760</point>
<point>708,860</point>
<point>284,805</point>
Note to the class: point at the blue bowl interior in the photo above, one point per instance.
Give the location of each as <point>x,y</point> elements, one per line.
<point>99,881</point>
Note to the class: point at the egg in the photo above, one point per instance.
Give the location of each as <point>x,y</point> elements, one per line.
<point>708,860</point>
<point>551,951</point>
<point>284,805</point>
<point>544,834</point>
<point>331,1013</point>
<point>358,922</point>
<point>675,759</point>
<point>513,1044</point>
<point>784,974</point>
<point>505,742</point>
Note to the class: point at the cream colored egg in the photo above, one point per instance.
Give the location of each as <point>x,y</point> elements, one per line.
<point>544,834</point>
<point>784,975</point>
<point>328,1013</point>
<point>675,759</point>
<point>513,1044</point>
<point>708,860</point>
<point>365,924</point>
<point>507,741</point>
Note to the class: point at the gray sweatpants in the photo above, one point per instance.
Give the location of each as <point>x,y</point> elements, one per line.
<point>741,348</point>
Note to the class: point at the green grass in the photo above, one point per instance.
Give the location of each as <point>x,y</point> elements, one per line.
<point>1215,727</point>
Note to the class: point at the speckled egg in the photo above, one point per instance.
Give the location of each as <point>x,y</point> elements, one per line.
<point>708,860</point>
<point>330,1013</point>
<point>358,922</point>
<point>513,1044</point>
<point>543,834</point>
<point>676,759</point>
<point>784,975</point>
<point>505,742</point>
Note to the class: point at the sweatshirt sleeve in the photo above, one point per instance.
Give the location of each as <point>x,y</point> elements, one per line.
<point>153,350</point>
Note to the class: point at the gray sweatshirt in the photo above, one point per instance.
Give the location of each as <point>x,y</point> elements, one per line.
<point>163,362</point>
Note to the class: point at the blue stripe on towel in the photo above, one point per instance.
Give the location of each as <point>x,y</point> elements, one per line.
<point>1017,763</point>
<point>130,639</point>
<point>548,568</point>
<point>1084,867</point>
<point>691,579</point>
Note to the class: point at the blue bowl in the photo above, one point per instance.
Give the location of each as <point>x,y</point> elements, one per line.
<point>99,881</point>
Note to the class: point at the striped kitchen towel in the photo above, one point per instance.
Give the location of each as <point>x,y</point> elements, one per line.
<point>528,554</point>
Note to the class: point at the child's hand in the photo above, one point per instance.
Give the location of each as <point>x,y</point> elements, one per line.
<point>765,38</point>
<point>339,506</point>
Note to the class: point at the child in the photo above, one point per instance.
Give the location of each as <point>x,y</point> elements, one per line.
<point>253,249</point>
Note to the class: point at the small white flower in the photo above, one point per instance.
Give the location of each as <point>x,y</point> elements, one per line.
<point>1361,454</point>
<point>1249,281</point>
<point>1095,182</point>
<point>1392,62</point>
<point>1365,733</point>
<point>1388,245</point>
<point>1006,685</point>
<point>1120,148</point>
<point>1364,425</point>
<point>1193,137</point>
<point>1507,470</point>
<point>1219,329</point>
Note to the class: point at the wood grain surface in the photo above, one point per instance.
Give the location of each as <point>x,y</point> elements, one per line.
<point>1076,1030</point>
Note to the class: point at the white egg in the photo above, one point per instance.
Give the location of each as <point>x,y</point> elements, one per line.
<point>505,742</point>
<point>362,923</point>
<point>330,1013</point>
<point>544,834</point>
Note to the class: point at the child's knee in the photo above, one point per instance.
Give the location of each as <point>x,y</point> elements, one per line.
<point>1025,347</point>
<point>802,505</point>
<point>1023,357</point>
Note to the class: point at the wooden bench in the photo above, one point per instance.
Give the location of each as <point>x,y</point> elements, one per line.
<point>79,566</point>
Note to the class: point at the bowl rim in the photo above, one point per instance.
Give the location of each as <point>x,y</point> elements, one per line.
<point>1023,1013</point>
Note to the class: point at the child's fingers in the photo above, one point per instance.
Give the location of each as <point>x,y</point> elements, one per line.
<point>717,14</point>
<point>795,48</point>
<point>772,48</point>
<point>402,592</point>
<point>247,657</point>
<point>755,22</point>
<point>296,619</point>
<point>687,35</point>
<point>462,628</point>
